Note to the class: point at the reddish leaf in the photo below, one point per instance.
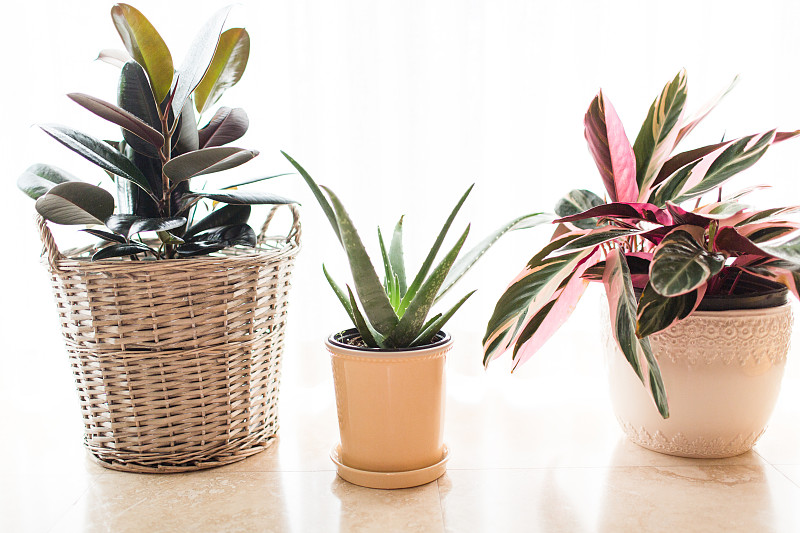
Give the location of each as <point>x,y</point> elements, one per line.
<point>627,210</point>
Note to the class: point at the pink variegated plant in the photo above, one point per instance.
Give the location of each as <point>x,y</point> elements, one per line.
<point>657,258</point>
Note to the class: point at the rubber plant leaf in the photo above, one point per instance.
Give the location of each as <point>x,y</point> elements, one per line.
<point>75,202</point>
<point>526,294</point>
<point>146,46</point>
<point>38,179</point>
<point>622,312</point>
<point>659,133</point>
<point>436,324</point>
<point>121,223</point>
<point>657,313</point>
<point>680,264</point>
<point>225,70</point>
<point>468,260</point>
<point>120,117</point>
<point>105,235</point>
<point>134,96</point>
<point>547,320</point>
<point>370,292</point>
<point>99,153</point>
<point>323,202</point>
<point>611,150</point>
<point>114,57</point>
<point>157,224</point>
<point>187,138</point>
<point>231,235</point>
<point>198,58</point>
<point>206,161</point>
<point>227,125</point>
<point>428,263</point>
<point>224,216</point>
<point>413,320</point>
<point>121,250</point>
<point>578,201</point>
<point>242,197</point>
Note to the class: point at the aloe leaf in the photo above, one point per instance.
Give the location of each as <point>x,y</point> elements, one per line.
<point>414,317</point>
<point>224,216</point>
<point>323,202</point>
<point>38,179</point>
<point>436,324</point>
<point>656,312</point>
<point>122,250</point>
<point>622,312</point>
<point>120,117</point>
<point>389,277</point>
<point>426,265</point>
<point>99,153</point>
<point>75,202</point>
<point>578,201</point>
<point>396,258</point>
<point>206,161</point>
<point>225,70</point>
<point>680,264</point>
<point>361,323</point>
<point>659,132</point>
<point>198,58</point>
<point>611,150</point>
<point>371,293</point>
<point>242,197</point>
<point>156,224</point>
<point>146,46</point>
<point>343,298</point>
<point>135,96</point>
<point>226,126</point>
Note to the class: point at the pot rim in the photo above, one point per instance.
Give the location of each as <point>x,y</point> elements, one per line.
<point>444,342</point>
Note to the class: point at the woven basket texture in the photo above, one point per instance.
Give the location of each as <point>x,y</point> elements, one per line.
<point>177,362</point>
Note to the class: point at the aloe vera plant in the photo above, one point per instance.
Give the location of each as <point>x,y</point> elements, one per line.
<point>161,149</point>
<point>393,313</point>
<point>657,258</point>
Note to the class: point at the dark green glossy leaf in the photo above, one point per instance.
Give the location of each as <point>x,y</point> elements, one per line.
<point>224,216</point>
<point>132,198</point>
<point>38,179</point>
<point>786,247</point>
<point>98,153</point>
<point>75,202</point>
<point>656,313</point>
<point>121,250</point>
<point>146,46</point>
<point>578,201</point>
<point>468,260</point>
<point>121,223</point>
<point>105,235</point>
<point>156,224</point>
<point>242,197</point>
<point>134,96</point>
<point>198,58</point>
<point>428,263</point>
<point>323,202</point>
<point>188,139</point>
<point>226,126</point>
<point>370,292</point>
<point>680,264</point>
<point>226,68</point>
<point>206,161</point>
<point>194,249</point>
<point>413,320</point>
<point>120,117</point>
<point>231,235</point>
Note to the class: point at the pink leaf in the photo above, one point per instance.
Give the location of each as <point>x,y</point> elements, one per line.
<point>624,210</point>
<point>611,150</point>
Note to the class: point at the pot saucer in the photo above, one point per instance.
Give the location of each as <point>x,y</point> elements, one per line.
<point>389,480</point>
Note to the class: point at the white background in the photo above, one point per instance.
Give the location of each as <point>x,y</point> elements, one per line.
<point>398,107</point>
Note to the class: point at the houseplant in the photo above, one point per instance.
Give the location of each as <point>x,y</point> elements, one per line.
<point>389,369</point>
<point>678,280</point>
<point>174,326</point>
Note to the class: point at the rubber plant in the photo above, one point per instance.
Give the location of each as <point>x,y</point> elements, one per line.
<point>161,149</point>
<point>657,257</point>
<point>393,313</point>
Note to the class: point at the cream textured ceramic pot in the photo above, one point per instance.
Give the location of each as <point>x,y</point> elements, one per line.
<point>722,371</point>
<point>390,405</point>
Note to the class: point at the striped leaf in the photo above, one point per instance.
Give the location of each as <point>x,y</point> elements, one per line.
<point>622,312</point>
<point>680,264</point>
<point>611,150</point>
<point>597,237</point>
<point>659,133</point>
<point>619,210</point>
<point>578,201</point>
<point>703,112</point>
<point>656,312</point>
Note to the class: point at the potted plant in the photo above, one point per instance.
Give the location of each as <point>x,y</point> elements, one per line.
<point>389,369</point>
<point>173,322</point>
<point>696,293</point>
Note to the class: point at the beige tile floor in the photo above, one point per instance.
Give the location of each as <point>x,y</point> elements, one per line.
<point>535,451</point>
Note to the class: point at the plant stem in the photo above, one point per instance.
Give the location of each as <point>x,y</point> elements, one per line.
<point>166,154</point>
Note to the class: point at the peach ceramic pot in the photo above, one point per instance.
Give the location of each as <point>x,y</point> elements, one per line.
<point>722,371</point>
<point>390,405</point>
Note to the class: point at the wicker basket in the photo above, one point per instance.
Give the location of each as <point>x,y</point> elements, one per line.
<point>177,362</point>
